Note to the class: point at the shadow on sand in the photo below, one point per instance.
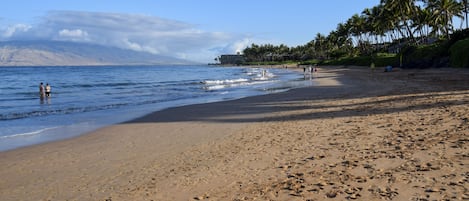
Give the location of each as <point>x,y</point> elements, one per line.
<point>361,90</point>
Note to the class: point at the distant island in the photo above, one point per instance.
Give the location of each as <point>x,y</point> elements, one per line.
<point>62,53</point>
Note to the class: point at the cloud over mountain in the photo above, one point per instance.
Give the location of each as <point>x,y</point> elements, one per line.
<point>129,31</point>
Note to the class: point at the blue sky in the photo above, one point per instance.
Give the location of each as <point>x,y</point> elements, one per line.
<point>195,30</point>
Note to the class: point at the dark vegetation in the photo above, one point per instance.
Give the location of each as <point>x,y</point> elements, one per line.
<point>406,33</point>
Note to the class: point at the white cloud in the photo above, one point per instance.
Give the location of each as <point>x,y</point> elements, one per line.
<point>138,47</point>
<point>77,33</point>
<point>15,29</point>
<point>131,31</point>
<point>239,46</point>
<point>74,35</point>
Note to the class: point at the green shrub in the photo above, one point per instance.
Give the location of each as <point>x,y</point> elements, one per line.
<point>424,52</point>
<point>380,60</point>
<point>457,36</point>
<point>423,56</point>
<point>459,54</point>
<point>310,62</point>
<point>387,60</point>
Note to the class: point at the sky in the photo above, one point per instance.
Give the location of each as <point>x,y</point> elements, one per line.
<point>196,30</point>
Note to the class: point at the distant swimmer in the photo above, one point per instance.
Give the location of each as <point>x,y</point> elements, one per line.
<point>42,93</point>
<point>47,90</point>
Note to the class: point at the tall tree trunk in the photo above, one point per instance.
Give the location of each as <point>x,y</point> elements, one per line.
<point>465,11</point>
<point>406,24</point>
<point>447,28</point>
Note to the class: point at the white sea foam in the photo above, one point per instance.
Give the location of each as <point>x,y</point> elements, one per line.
<point>267,76</point>
<point>37,132</point>
<point>218,82</point>
<point>258,76</point>
<point>215,87</point>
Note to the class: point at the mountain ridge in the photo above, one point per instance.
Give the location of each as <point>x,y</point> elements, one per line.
<point>63,53</point>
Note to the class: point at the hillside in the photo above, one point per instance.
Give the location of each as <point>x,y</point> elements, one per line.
<point>57,53</point>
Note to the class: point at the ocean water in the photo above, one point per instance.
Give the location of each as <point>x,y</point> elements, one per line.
<point>86,98</point>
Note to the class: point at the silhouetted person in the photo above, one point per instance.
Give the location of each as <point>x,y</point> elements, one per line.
<point>47,90</point>
<point>42,91</point>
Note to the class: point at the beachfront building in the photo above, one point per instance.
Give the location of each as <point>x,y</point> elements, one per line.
<point>232,59</point>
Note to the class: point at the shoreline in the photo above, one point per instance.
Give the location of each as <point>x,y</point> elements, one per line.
<point>97,127</point>
<point>80,123</point>
<point>262,146</point>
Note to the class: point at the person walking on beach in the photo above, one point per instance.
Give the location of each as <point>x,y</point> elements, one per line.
<point>42,92</point>
<point>47,90</point>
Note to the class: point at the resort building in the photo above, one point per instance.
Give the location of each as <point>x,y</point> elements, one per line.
<point>236,59</point>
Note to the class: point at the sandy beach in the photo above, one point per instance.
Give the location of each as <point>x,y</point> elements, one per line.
<point>356,134</point>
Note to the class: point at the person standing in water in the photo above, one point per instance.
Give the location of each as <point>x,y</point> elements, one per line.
<point>47,90</point>
<point>42,92</point>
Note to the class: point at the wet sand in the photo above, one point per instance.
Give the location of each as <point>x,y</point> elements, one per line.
<point>355,135</point>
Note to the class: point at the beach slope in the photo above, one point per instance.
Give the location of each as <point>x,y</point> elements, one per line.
<point>356,134</point>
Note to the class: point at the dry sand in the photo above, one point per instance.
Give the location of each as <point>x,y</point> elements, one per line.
<point>356,135</point>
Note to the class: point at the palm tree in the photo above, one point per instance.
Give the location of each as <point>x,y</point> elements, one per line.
<point>403,11</point>
<point>343,34</point>
<point>320,45</point>
<point>283,51</point>
<point>465,4</point>
<point>377,23</point>
<point>443,12</point>
<point>332,43</point>
<point>356,25</point>
<point>422,22</point>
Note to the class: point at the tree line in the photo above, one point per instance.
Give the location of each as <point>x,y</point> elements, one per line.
<point>386,27</point>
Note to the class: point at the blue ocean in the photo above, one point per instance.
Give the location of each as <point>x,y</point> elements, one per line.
<point>86,98</point>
